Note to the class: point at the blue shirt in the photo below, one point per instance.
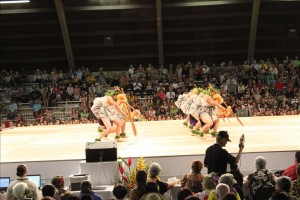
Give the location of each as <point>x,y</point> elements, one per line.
<point>37,107</point>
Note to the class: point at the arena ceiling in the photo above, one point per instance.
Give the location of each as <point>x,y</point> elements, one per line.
<point>117,33</point>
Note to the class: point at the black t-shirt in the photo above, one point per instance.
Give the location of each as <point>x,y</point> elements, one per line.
<point>216,159</point>
<point>163,186</point>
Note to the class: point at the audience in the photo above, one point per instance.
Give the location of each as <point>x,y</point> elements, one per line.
<point>86,189</point>
<point>137,192</point>
<point>154,171</point>
<point>184,193</point>
<point>120,192</point>
<point>194,179</point>
<point>152,192</point>
<point>296,184</point>
<point>21,191</point>
<point>284,184</point>
<point>291,171</point>
<point>229,181</point>
<point>256,88</point>
<point>279,195</point>
<point>261,177</point>
<point>221,190</point>
<point>210,182</point>
<point>48,191</point>
<point>229,196</point>
<point>27,185</point>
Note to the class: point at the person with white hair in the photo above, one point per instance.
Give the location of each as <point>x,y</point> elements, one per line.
<point>228,180</point>
<point>221,190</point>
<point>21,191</point>
<point>30,187</point>
<point>154,171</point>
<point>261,177</point>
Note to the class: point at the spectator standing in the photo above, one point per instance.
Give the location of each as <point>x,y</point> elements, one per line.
<point>216,158</point>
<point>22,173</point>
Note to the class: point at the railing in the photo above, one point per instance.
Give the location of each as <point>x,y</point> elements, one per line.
<point>62,111</point>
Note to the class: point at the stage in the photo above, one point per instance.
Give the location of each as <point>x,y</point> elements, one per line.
<point>154,139</point>
<point>58,149</point>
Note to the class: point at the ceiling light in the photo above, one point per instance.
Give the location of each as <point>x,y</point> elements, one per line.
<point>16,1</point>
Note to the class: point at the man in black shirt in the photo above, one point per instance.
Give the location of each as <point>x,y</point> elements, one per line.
<point>216,158</point>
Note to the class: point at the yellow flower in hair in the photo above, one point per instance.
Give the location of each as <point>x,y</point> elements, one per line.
<point>195,91</point>
<point>218,98</point>
<point>121,97</point>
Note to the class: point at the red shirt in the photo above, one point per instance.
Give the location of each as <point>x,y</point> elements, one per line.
<point>279,86</point>
<point>291,171</point>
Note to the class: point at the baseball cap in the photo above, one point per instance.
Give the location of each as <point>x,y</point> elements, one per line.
<point>224,134</point>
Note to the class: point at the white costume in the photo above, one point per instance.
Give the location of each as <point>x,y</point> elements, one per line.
<point>101,108</point>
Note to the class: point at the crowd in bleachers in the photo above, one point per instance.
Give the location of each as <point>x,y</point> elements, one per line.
<point>255,88</point>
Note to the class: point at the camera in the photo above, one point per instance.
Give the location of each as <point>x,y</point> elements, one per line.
<point>242,140</point>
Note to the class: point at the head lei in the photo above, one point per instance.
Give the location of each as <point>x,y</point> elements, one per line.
<point>112,93</point>
<point>211,89</point>
<point>197,90</point>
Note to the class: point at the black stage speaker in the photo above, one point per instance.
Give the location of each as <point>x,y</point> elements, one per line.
<point>101,151</point>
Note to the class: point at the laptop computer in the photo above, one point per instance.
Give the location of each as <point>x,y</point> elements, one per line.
<point>4,183</point>
<point>36,178</point>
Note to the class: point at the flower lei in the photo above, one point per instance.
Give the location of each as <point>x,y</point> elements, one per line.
<point>58,182</point>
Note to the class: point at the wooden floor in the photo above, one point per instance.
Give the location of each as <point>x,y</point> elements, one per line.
<point>160,138</point>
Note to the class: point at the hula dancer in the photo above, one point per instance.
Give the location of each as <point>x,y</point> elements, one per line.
<point>107,109</point>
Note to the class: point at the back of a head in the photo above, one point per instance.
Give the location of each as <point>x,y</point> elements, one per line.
<point>48,190</point>
<point>197,166</point>
<point>21,170</point>
<point>297,156</point>
<point>86,187</point>
<point>284,183</point>
<point>210,181</point>
<point>229,196</point>
<point>154,170</point>
<point>221,190</point>
<point>120,191</point>
<point>141,177</point>
<point>184,193</point>
<point>20,190</point>
<point>151,187</point>
<point>279,195</point>
<point>260,162</point>
<point>227,179</point>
